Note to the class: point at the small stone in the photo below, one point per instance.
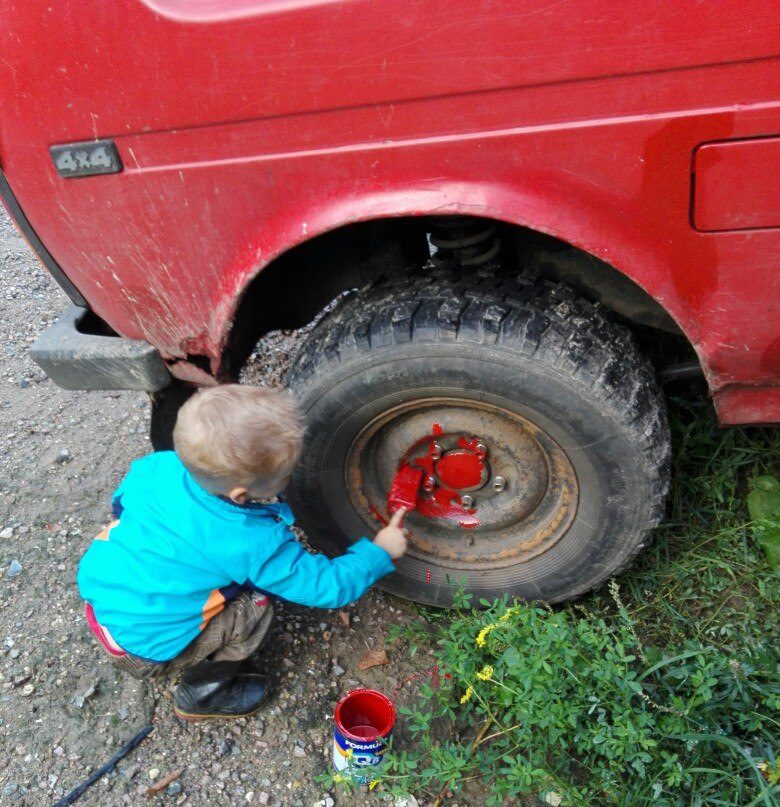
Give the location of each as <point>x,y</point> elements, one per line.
<point>123,712</point>
<point>299,752</point>
<point>250,795</point>
<point>10,789</point>
<point>223,747</point>
<point>24,383</point>
<point>7,532</point>
<point>406,801</point>
<point>14,568</point>
<point>15,652</point>
<point>337,670</point>
<point>154,773</point>
<point>174,788</point>
<point>263,797</point>
<point>62,457</point>
<point>28,690</point>
<point>131,771</point>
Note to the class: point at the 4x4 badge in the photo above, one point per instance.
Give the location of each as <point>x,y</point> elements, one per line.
<point>86,159</point>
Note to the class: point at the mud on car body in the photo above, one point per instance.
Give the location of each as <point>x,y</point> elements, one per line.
<point>510,205</point>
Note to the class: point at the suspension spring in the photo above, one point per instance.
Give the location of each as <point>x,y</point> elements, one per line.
<point>464,241</point>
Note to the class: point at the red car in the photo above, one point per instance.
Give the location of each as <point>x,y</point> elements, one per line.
<point>498,193</point>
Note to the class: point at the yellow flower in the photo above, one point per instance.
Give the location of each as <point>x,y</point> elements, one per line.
<point>486,673</point>
<point>483,633</point>
<point>468,694</point>
<point>508,613</point>
<point>373,784</point>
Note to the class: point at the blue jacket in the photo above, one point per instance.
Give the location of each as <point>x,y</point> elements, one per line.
<point>178,553</point>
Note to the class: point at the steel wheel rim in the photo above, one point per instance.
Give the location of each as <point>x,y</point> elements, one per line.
<point>532,512</point>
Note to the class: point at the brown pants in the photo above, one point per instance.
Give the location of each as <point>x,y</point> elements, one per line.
<point>234,634</point>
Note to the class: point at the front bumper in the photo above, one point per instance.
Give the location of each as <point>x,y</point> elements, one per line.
<point>77,360</point>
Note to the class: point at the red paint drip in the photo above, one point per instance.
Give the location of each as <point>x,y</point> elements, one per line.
<point>472,445</point>
<point>434,675</point>
<point>377,515</point>
<point>428,575</point>
<point>437,430</point>
<point>445,503</point>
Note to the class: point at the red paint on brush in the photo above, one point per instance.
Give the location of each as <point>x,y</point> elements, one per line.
<point>403,491</point>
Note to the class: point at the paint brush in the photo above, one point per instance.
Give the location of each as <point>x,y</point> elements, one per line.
<point>403,491</point>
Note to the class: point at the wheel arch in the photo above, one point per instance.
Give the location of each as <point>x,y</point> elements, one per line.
<point>382,228</point>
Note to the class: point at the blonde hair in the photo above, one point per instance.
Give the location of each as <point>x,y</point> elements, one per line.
<point>235,435</point>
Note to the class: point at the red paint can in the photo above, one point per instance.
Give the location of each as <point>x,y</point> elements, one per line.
<point>364,720</point>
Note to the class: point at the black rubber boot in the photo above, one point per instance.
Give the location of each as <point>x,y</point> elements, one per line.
<point>213,689</point>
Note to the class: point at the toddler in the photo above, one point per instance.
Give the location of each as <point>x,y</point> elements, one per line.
<point>180,581</point>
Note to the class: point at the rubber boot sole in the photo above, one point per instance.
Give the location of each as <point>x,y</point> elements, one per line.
<point>190,718</point>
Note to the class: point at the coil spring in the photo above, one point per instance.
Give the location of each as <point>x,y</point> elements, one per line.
<point>464,241</point>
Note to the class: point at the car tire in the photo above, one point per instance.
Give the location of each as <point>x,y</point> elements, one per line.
<point>569,411</point>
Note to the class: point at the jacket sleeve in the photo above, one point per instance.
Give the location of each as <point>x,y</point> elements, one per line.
<point>294,574</point>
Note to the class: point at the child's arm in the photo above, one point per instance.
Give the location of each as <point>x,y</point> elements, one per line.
<point>294,574</point>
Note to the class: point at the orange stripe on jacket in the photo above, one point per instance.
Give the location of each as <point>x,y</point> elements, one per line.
<point>213,605</point>
<point>106,531</point>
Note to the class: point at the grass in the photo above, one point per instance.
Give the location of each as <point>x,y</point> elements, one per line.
<point>662,690</point>
<point>705,578</point>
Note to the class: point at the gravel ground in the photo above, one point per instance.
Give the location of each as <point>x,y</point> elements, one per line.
<point>64,710</point>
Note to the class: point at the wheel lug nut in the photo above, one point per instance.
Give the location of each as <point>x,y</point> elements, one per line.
<point>499,483</point>
<point>429,484</point>
<point>435,451</point>
<point>467,501</point>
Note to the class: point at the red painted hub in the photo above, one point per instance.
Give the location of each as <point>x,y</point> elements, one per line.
<point>431,456</point>
<point>460,470</point>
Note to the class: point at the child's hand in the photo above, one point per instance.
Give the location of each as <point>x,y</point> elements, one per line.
<point>392,538</point>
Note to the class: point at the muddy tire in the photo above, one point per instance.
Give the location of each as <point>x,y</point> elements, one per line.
<point>571,419</point>
<point>165,407</point>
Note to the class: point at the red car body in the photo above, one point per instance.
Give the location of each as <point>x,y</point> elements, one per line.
<point>646,134</point>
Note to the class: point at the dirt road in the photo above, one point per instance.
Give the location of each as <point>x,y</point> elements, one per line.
<point>63,708</point>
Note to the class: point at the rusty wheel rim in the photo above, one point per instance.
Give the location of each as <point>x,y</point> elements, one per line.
<point>515,522</point>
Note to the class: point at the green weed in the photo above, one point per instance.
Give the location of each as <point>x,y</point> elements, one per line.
<point>573,703</point>
<point>661,692</point>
